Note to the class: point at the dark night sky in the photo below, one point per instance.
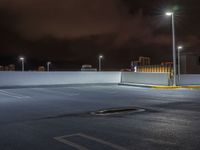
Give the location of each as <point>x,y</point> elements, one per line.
<point>74,32</point>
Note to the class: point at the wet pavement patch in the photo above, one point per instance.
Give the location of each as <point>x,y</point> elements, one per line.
<point>118,111</point>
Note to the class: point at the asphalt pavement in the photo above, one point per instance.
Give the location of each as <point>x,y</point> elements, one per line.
<point>63,118</point>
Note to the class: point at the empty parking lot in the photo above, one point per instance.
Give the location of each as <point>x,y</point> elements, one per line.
<point>63,118</point>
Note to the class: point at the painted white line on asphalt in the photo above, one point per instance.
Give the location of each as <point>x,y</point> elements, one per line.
<point>157,141</point>
<point>63,139</point>
<point>8,95</point>
<point>77,146</point>
<point>103,142</point>
<point>13,95</point>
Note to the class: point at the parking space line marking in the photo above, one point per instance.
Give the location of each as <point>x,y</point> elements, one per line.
<point>9,95</point>
<point>63,139</point>
<point>159,141</point>
<point>14,95</point>
<point>103,142</point>
<point>77,146</point>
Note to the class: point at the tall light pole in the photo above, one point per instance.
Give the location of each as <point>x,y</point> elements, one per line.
<point>174,47</point>
<point>22,60</point>
<point>48,65</point>
<point>179,62</point>
<point>100,58</point>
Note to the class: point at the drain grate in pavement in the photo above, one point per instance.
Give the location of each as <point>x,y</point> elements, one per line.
<point>115,111</point>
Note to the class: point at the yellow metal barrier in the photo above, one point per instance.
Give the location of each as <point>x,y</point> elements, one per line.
<point>156,68</point>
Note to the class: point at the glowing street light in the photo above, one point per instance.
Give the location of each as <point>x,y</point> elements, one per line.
<point>174,47</point>
<point>169,13</point>
<point>180,47</point>
<point>22,60</point>
<point>100,58</point>
<point>48,65</point>
<point>179,62</point>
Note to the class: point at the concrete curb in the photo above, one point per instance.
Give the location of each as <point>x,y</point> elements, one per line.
<point>176,87</point>
<point>162,86</point>
<point>194,86</point>
<point>166,87</point>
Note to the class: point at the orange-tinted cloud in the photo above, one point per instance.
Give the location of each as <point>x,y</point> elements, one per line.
<point>72,19</point>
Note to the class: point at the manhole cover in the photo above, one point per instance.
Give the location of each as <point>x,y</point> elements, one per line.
<point>114,111</point>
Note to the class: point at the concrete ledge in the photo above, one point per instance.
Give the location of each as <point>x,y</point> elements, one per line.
<point>57,85</point>
<point>136,85</point>
<point>189,79</point>
<point>145,78</point>
<point>19,79</point>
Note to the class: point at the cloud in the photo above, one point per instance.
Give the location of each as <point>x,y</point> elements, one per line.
<point>65,18</point>
<point>191,40</point>
<point>73,19</point>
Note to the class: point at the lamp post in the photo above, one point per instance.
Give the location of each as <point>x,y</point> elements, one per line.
<point>179,62</point>
<point>100,58</point>
<point>174,47</point>
<point>22,60</point>
<point>48,65</point>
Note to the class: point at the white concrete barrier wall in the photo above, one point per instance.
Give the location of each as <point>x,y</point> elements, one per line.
<point>145,78</point>
<point>190,79</point>
<point>57,78</point>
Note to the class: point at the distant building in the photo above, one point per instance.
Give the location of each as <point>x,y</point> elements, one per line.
<point>1,68</point>
<point>41,68</point>
<point>87,67</point>
<point>10,67</point>
<point>6,68</point>
<point>167,63</point>
<point>144,65</point>
<point>143,61</point>
<point>190,62</point>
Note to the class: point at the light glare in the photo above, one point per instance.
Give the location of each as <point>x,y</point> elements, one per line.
<point>21,58</point>
<point>169,13</point>
<point>180,47</point>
